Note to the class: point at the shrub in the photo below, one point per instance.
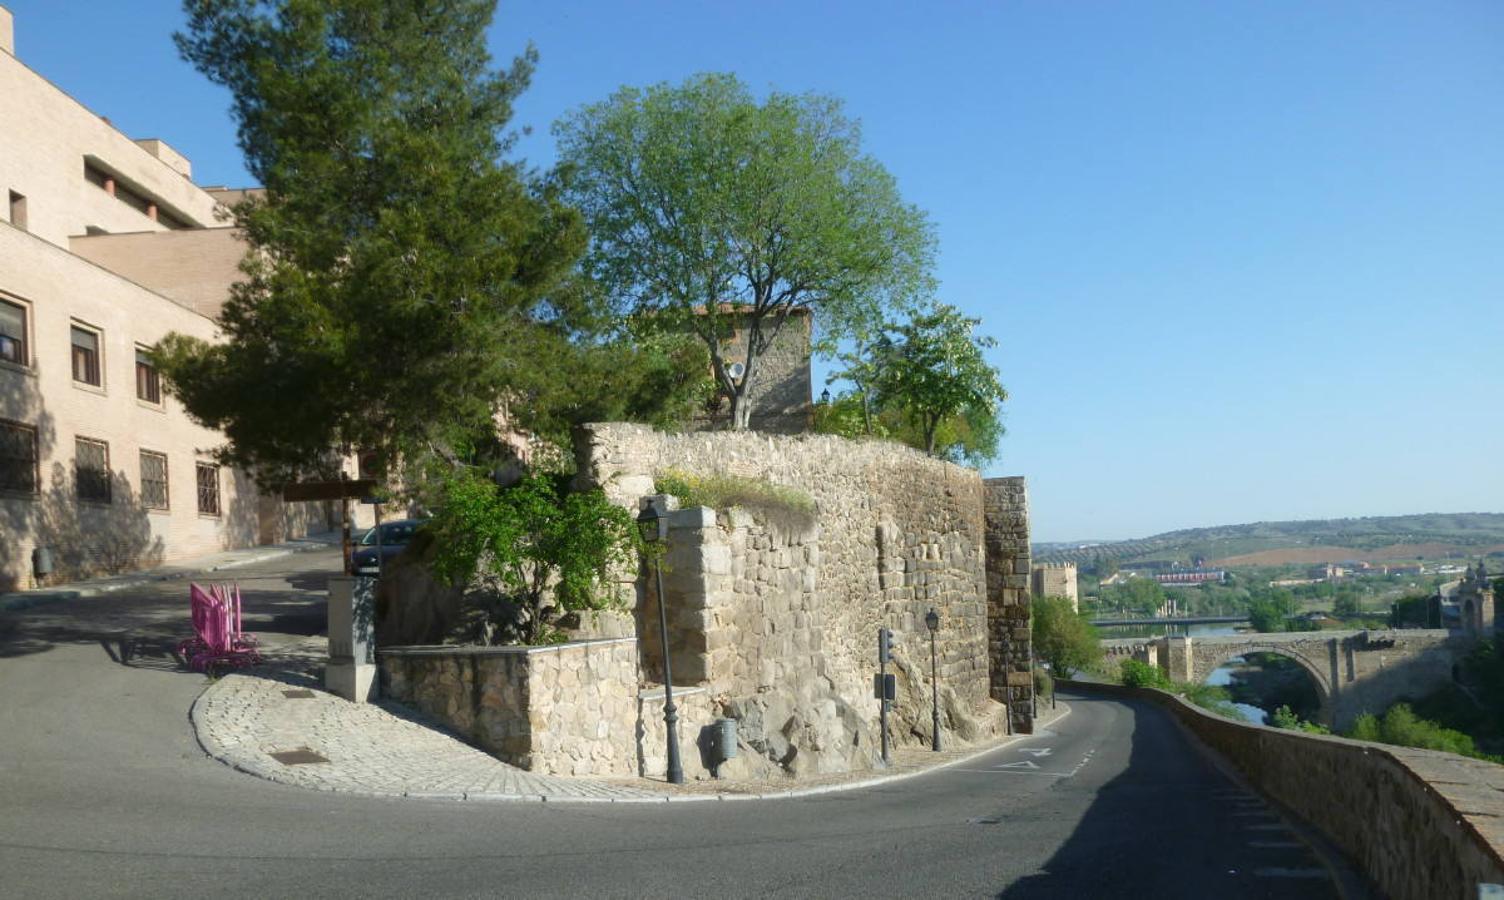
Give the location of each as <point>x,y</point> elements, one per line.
<point>1284,717</point>
<point>1142,675</point>
<point>727,491</point>
<point>543,548</point>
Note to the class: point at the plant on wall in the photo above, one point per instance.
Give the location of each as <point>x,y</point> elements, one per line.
<point>546,549</point>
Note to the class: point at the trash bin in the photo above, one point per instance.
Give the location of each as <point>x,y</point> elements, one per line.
<point>41,562</point>
<point>725,739</point>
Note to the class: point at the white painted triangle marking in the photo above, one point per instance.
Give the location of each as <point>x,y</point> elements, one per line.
<point>1037,751</point>
<point>1018,765</point>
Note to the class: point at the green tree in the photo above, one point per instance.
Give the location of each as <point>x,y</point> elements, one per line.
<point>722,216</point>
<point>1062,637</point>
<point>548,550</point>
<point>404,280</point>
<point>933,372</point>
<point>1346,604</point>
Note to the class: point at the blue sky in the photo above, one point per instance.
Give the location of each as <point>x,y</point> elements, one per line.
<point>1244,260</point>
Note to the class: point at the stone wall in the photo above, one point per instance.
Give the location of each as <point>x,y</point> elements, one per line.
<point>1010,640</point>
<point>570,709</point>
<point>1421,824</point>
<point>779,617</point>
<point>781,382</point>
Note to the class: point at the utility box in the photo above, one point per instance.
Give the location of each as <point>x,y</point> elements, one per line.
<point>351,671</point>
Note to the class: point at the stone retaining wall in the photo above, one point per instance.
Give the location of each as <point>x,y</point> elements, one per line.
<point>570,709</point>
<point>779,618</point>
<point>1421,824</point>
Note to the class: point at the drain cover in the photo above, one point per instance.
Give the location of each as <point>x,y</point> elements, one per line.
<point>300,757</point>
<point>299,694</point>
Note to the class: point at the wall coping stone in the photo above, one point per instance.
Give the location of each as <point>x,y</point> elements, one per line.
<point>478,650</point>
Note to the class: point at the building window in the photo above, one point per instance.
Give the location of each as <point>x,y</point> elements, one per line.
<point>18,210</point>
<point>148,382</point>
<point>86,356</point>
<point>207,477</point>
<point>153,480</point>
<point>13,333</point>
<point>91,470</point>
<point>18,458</point>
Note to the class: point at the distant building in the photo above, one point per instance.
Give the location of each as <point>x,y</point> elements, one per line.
<point>781,389</point>
<point>1191,576</point>
<point>1056,581</point>
<point>106,246</point>
<point>1328,572</point>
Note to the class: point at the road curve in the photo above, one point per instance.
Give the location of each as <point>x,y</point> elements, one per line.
<point>104,792</point>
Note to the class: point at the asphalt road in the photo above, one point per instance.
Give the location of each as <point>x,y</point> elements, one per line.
<point>104,792</point>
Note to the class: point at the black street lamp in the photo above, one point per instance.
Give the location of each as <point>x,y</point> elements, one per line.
<point>932,620</point>
<point>654,527</point>
<point>825,396</point>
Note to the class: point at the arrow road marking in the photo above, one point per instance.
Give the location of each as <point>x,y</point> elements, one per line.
<point>1025,764</point>
<point>1037,751</point>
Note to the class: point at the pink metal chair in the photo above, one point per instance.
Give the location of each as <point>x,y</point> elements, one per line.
<point>218,640</point>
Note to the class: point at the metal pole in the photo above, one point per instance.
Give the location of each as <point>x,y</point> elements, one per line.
<point>670,712</point>
<point>380,563</point>
<point>934,695</point>
<point>882,668</point>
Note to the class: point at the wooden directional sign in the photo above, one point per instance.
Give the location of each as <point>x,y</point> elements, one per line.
<point>328,490</point>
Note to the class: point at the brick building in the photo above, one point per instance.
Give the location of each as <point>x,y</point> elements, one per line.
<point>106,246</point>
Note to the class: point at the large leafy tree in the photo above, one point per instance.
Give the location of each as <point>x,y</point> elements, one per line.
<point>721,216</point>
<point>926,383</point>
<point>933,370</point>
<point>404,277</point>
<point>1063,637</point>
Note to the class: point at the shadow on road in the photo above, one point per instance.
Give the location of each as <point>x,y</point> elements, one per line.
<point>141,627</point>
<point>1171,825</point>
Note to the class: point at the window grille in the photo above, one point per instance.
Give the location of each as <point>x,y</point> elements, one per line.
<point>91,470</point>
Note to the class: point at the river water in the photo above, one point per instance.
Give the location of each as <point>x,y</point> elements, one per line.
<point>1221,677</point>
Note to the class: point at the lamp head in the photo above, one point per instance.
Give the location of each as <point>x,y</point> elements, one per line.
<point>932,620</point>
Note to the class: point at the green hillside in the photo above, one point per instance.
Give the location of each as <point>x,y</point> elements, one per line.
<point>1430,535</point>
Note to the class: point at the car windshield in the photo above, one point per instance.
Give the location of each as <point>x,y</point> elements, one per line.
<point>393,534</point>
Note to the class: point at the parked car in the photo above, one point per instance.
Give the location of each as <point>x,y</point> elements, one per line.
<point>395,536</point>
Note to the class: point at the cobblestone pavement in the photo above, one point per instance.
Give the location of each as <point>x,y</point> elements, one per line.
<point>372,748</point>
<point>387,749</point>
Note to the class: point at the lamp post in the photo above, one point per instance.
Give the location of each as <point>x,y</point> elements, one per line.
<point>932,620</point>
<point>654,527</point>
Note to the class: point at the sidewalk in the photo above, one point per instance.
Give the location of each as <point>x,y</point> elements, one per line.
<point>188,568</point>
<point>279,724</point>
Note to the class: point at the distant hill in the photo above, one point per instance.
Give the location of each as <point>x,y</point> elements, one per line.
<point>1375,539</point>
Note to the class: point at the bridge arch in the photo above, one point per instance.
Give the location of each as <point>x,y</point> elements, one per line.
<point>1207,657</point>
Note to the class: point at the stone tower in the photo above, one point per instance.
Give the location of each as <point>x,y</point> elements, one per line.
<point>1475,601</point>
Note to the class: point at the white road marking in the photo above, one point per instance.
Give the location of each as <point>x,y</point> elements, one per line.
<point>1036,751</point>
<point>1024,764</point>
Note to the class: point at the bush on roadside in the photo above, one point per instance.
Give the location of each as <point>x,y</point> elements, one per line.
<point>1142,675</point>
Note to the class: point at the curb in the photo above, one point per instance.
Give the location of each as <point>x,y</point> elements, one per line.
<point>219,754</point>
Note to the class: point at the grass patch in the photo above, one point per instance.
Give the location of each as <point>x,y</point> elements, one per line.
<point>722,492</point>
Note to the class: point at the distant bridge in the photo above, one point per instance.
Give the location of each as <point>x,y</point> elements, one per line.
<point>1354,671</point>
<point>1173,620</point>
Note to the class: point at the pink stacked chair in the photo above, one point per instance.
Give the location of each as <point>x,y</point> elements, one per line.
<point>218,640</point>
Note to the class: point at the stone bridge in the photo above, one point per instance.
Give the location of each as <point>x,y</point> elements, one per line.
<point>1354,671</point>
